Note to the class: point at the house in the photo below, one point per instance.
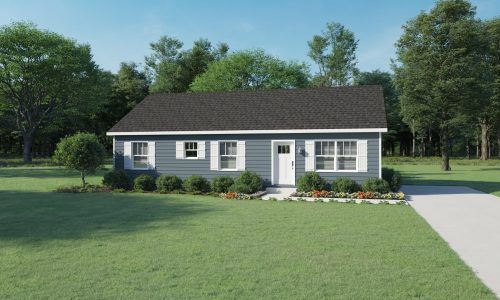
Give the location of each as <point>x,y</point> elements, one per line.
<point>279,134</point>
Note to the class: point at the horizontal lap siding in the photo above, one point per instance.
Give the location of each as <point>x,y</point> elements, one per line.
<point>257,154</point>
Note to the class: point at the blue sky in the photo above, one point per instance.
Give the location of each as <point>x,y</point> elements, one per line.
<point>122,30</point>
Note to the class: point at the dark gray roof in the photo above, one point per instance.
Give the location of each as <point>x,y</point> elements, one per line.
<point>350,107</point>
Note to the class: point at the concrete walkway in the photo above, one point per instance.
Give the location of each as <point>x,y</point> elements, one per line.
<point>468,220</point>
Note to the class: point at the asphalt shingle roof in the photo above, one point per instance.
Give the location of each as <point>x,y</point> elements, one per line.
<point>349,107</point>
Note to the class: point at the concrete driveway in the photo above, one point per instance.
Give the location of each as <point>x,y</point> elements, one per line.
<point>468,220</point>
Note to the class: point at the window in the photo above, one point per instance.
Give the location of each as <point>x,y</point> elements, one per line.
<point>283,149</point>
<point>325,155</point>
<point>140,155</point>
<point>346,155</point>
<point>191,150</point>
<point>228,152</point>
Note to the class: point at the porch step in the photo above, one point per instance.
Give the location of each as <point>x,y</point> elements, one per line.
<point>278,193</point>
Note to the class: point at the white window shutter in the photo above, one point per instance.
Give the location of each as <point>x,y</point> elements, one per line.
<point>201,149</point>
<point>151,155</point>
<point>362,156</point>
<point>310,158</point>
<point>127,155</point>
<point>240,156</point>
<point>214,155</point>
<point>179,150</point>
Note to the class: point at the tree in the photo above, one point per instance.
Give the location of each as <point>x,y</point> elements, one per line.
<point>439,62</point>
<point>251,70</point>
<point>173,69</point>
<point>391,100</point>
<point>335,53</point>
<point>82,152</point>
<point>40,72</point>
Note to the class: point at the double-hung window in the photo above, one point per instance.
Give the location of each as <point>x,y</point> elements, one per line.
<point>325,155</point>
<point>140,155</point>
<point>228,153</point>
<point>191,149</point>
<point>346,155</point>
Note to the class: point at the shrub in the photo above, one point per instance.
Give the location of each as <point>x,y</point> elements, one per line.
<point>310,181</point>
<point>196,184</point>
<point>392,177</point>
<point>344,185</point>
<point>247,183</point>
<point>144,182</point>
<point>221,184</point>
<point>116,180</point>
<point>82,152</point>
<point>168,183</point>
<point>375,185</point>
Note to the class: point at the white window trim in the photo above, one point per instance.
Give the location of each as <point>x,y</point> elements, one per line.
<point>184,149</point>
<point>220,155</point>
<point>335,161</point>
<point>132,155</point>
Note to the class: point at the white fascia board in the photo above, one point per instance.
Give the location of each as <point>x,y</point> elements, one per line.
<point>247,131</point>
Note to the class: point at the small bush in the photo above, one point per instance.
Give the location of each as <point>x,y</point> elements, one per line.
<point>196,184</point>
<point>344,185</point>
<point>89,188</point>
<point>311,181</point>
<point>247,183</point>
<point>168,183</point>
<point>375,185</point>
<point>393,178</point>
<point>144,182</point>
<point>221,184</point>
<point>116,180</point>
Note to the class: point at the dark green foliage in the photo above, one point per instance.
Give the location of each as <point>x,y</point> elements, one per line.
<point>221,184</point>
<point>310,181</point>
<point>247,183</point>
<point>82,152</point>
<point>168,183</point>
<point>144,182</point>
<point>116,179</point>
<point>345,185</point>
<point>375,185</point>
<point>196,183</point>
<point>392,177</point>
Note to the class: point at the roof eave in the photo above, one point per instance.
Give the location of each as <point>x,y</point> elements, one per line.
<point>277,131</point>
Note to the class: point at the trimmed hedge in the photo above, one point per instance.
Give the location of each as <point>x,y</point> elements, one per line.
<point>392,177</point>
<point>116,180</point>
<point>311,181</point>
<point>144,182</point>
<point>168,183</point>
<point>247,183</point>
<point>222,184</point>
<point>345,185</point>
<point>376,185</point>
<point>196,184</point>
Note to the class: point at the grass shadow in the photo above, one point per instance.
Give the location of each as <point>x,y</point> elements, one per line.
<point>37,216</point>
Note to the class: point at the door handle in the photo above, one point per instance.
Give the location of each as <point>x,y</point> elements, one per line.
<point>292,164</point>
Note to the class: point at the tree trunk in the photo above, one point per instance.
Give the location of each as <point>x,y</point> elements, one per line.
<point>422,153</point>
<point>414,141</point>
<point>467,148</point>
<point>484,140</point>
<point>27,142</point>
<point>445,157</point>
<point>84,184</point>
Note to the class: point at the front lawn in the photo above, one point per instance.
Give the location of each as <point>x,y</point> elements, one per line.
<point>180,246</point>
<point>480,175</point>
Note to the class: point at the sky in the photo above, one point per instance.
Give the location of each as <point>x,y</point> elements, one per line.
<point>121,31</point>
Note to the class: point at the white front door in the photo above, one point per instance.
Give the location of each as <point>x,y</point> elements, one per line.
<point>284,163</point>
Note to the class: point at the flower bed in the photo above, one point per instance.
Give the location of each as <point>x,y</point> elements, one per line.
<point>356,195</point>
<point>242,196</point>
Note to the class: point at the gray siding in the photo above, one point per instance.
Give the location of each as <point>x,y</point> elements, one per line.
<point>257,155</point>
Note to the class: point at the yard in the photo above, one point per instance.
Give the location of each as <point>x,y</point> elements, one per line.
<point>181,246</point>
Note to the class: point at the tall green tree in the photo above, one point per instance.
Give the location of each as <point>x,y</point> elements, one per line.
<point>173,69</point>
<point>334,51</point>
<point>40,72</point>
<point>251,70</point>
<point>439,62</point>
<point>392,104</point>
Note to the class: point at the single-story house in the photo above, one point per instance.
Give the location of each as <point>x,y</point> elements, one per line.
<point>278,134</point>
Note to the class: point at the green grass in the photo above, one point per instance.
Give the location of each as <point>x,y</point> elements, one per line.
<point>480,175</point>
<point>135,245</point>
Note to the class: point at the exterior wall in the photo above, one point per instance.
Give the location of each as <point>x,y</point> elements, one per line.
<point>257,155</point>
